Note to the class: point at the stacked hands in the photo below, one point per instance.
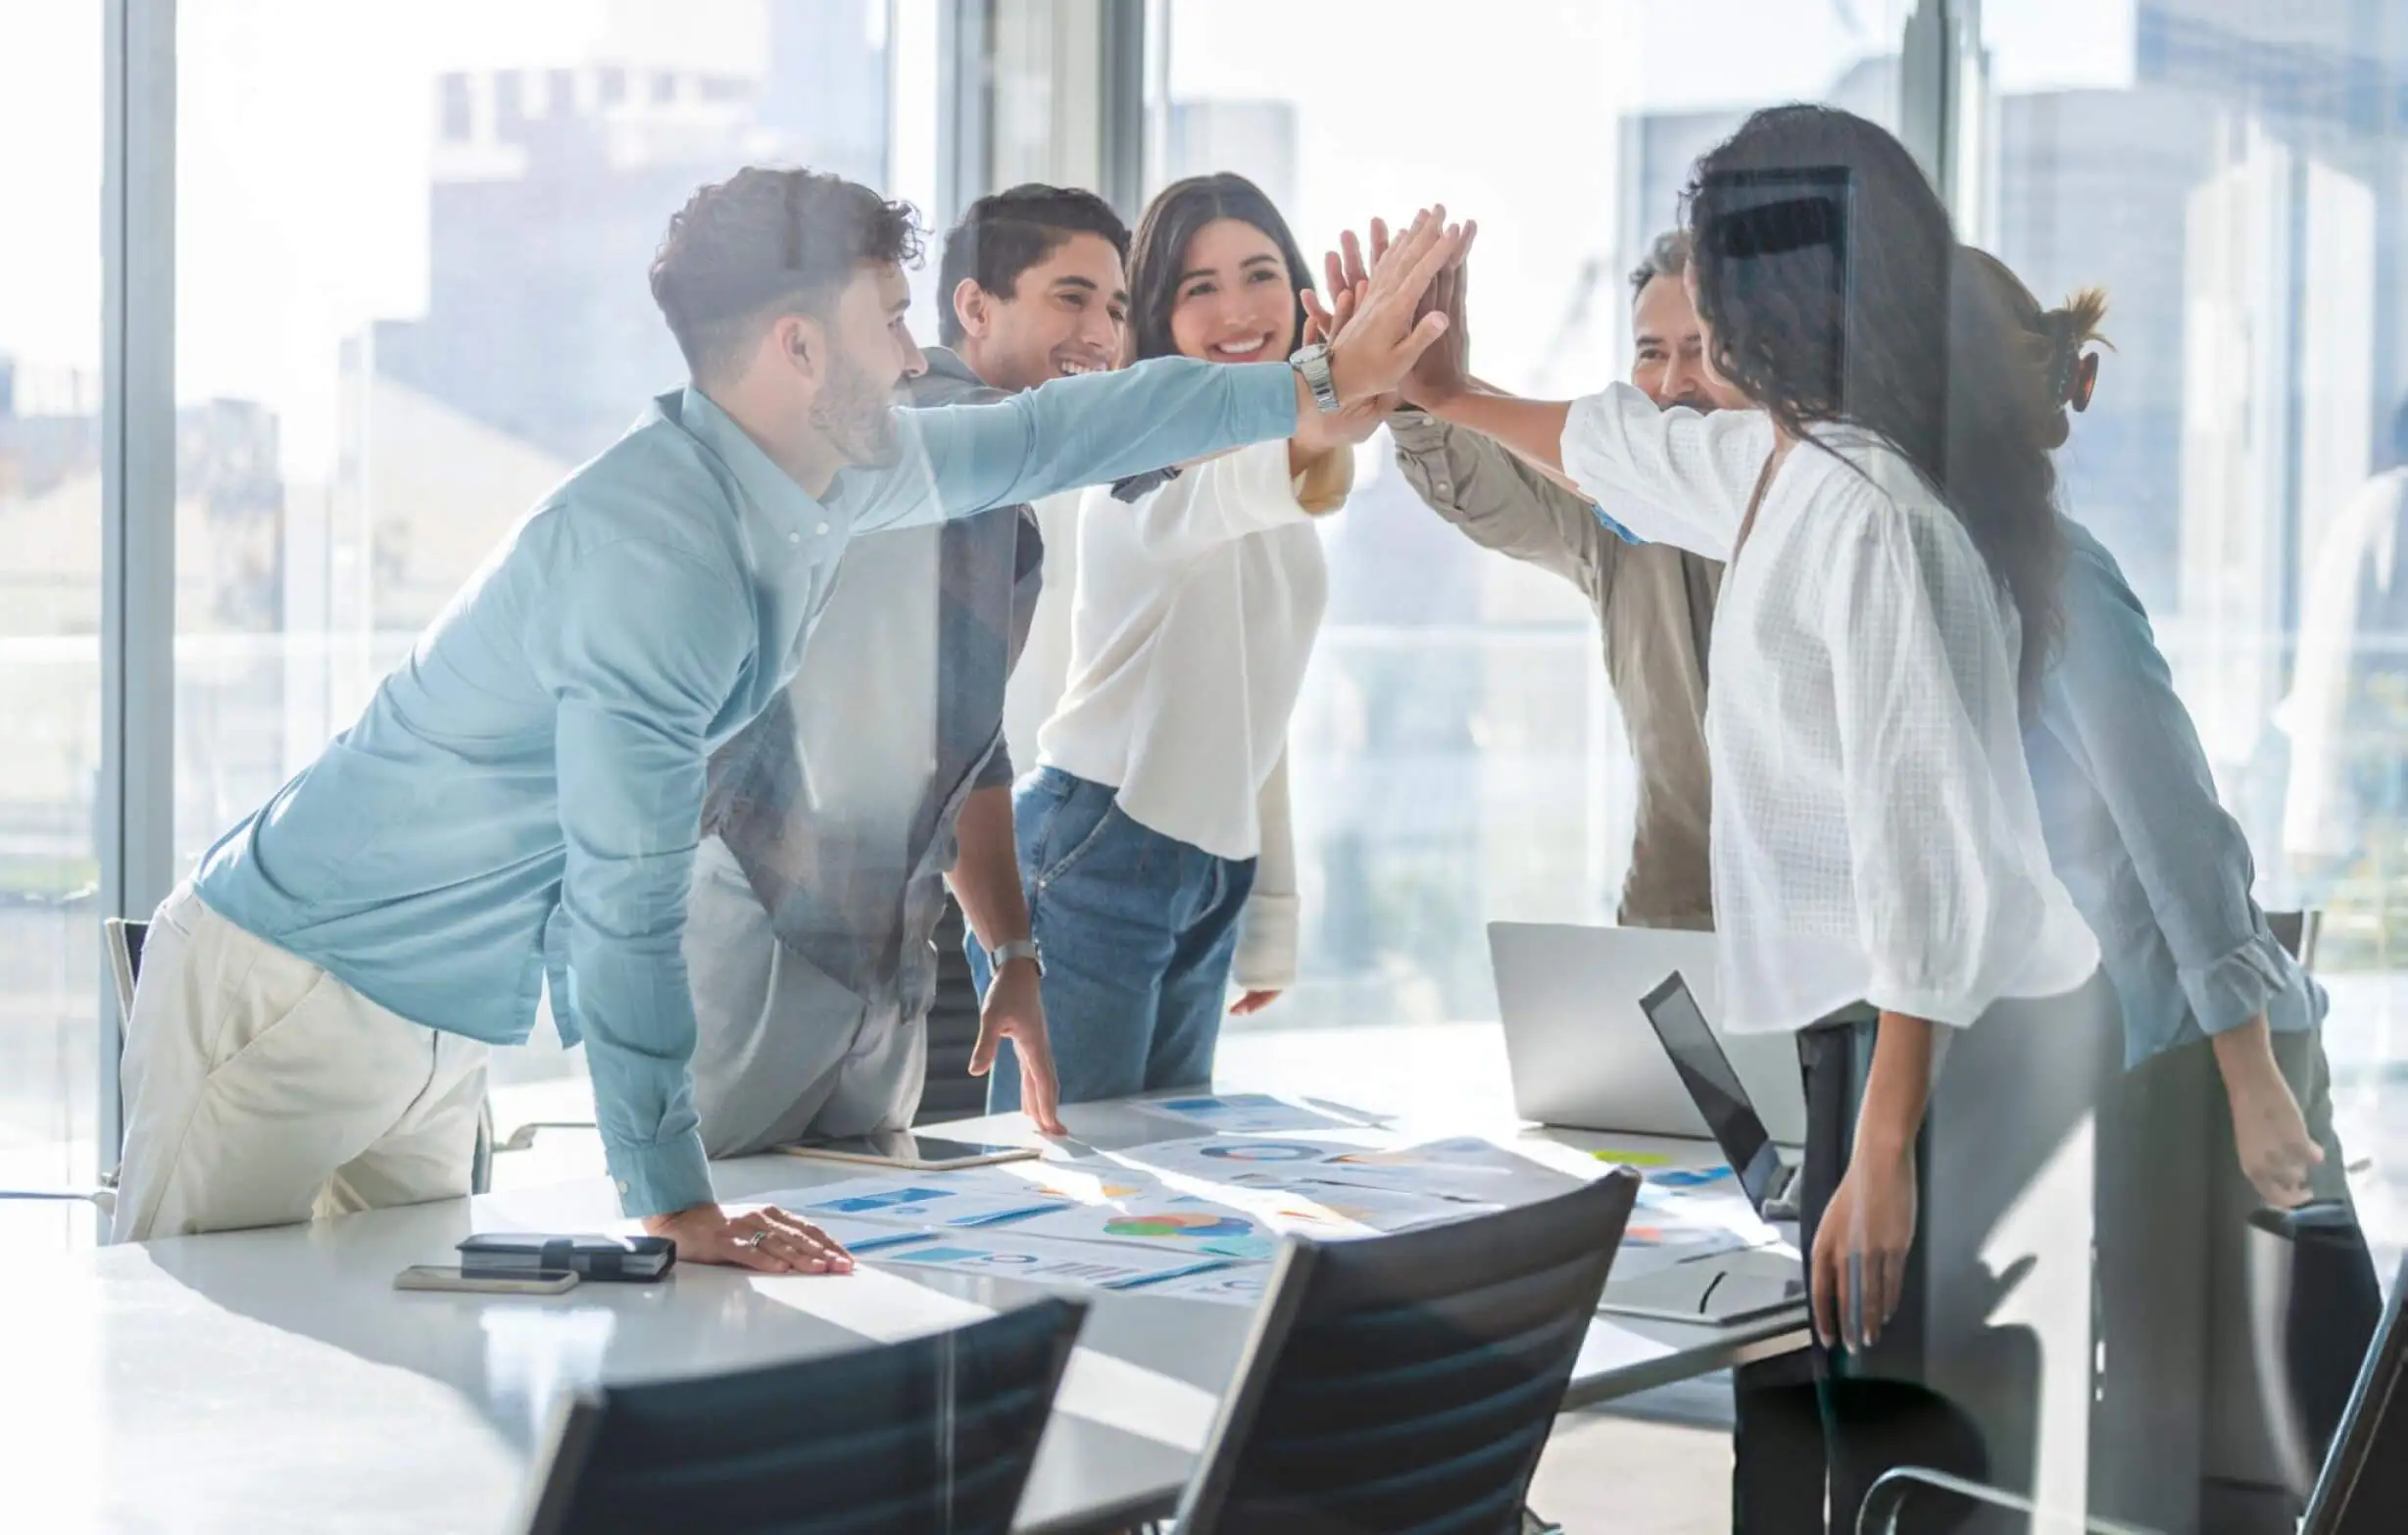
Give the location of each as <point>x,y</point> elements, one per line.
<point>1394,327</point>
<point>1439,341</point>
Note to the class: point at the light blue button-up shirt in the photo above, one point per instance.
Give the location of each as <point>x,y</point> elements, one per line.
<point>522,797</point>
<point>2158,869</point>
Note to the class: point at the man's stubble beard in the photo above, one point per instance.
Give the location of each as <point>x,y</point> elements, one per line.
<point>861,417</point>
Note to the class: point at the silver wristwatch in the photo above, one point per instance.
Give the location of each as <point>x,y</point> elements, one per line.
<point>1313,362</point>
<point>1018,949</point>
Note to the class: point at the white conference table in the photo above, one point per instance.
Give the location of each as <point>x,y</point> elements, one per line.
<point>275,1381</point>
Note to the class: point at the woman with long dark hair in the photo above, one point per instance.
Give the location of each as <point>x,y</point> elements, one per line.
<point>1154,834</point>
<point>1881,882</point>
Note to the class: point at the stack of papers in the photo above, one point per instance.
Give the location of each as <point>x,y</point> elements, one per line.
<point>1200,1218</point>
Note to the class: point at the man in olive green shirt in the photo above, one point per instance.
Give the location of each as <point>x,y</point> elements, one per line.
<point>1654,603</point>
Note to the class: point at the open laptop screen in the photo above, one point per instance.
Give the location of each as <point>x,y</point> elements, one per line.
<point>1707,1072</point>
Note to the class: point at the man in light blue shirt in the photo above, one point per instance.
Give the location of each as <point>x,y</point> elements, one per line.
<point>519,803</point>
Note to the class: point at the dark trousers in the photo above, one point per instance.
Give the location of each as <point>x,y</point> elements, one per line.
<point>1813,1436</point>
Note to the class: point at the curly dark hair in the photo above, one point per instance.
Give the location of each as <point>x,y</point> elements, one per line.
<point>768,240</point>
<point>1829,273</point>
<point>1007,232</point>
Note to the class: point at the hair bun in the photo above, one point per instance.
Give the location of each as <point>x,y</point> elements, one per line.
<point>2071,327</point>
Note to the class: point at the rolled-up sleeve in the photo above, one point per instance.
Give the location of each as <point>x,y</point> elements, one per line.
<point>2113,694</point>
<point>1267,951</point>
<point>1671,476</point>
<point>1501,503</point>
<point>636,702</point>
<point>961,460</point>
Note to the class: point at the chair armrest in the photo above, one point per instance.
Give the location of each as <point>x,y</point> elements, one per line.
<point>1888,1495</point>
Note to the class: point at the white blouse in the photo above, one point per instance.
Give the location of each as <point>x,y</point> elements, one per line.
<point>1194,615</point>
<point>1875,834</point>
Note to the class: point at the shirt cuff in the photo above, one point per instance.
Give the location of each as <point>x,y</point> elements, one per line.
<point>1266,401</point>
<point>1954,1009</point>
<point>1267,943</point>
<point>995,773</point>
<point>660,1178</point>
<point>2236,986</point>
<point>1417,432</point>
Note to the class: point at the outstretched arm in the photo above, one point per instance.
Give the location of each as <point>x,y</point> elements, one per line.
<point>962,459</point>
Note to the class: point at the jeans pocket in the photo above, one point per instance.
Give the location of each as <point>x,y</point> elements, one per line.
<point>1074,827</point>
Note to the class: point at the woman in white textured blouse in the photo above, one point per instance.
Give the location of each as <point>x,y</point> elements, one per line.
<point>1155,841</point>
<point>1891,602</point>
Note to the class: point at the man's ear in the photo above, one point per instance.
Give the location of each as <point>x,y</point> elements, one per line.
<point>970,307</point>
<point>801,342</point>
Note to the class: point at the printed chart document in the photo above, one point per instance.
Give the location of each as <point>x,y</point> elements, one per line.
<point>925,1199</point>
<point>1312,1204</point>
<point>862,1237</point>
<point>1239,1285</point>
<point>1164,1219</point>
<point>1252,1113</point>
<point>1465,1166</point>
<point>994,1252</point>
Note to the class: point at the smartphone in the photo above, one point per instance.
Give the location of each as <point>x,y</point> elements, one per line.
<point>903,1148</point>
<point>436,1276</point>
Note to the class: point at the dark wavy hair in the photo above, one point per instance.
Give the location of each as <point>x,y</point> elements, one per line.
<point>1159,251</point>
<point>1830,275</point>
<point>766,241</point>
<point>1007,232</point>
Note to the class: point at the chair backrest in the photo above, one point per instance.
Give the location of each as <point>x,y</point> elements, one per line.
<point>124,941</point>
<point>2297,932</point>
<point>936,1434</point>
<point>2364,1486</point>
<point>1409,1383</point>
<point>948,1091</point>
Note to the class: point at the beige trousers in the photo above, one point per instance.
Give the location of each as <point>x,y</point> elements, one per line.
<point>261,1091</point>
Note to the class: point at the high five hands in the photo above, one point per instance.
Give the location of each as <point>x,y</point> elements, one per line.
<point>1442,367</point>
<point>1391,324</point>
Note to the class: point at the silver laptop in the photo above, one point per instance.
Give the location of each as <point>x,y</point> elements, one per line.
<point>1583,1054</point>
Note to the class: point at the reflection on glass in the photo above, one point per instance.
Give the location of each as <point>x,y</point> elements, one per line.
<point>2231,173</point>
<point>50,591</point>
<point>394,338</point>
<point>1456,755</point>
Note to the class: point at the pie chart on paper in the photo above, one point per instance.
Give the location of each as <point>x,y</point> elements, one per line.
<point>1198,1224</point>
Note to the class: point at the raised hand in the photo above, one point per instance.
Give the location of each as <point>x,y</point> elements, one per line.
<point>1389,328</point>
<point>1352,423</point>
<point>1444,369</point>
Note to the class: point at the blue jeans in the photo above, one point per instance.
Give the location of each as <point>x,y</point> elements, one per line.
<point>1138,930</point>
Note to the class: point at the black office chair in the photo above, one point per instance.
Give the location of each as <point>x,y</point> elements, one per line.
<point>1409,1383</point>
<point>2364,1486</point>
<point>121,946</point>
<point>2362,1490</point>
<point>937,1434</point>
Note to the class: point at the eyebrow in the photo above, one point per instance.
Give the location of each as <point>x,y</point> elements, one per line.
<point>1088,284</point>
<point>1267,259</point>
<point>900,305</point>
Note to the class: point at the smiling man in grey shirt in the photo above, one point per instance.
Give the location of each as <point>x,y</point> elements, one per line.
<point>1654,604</point>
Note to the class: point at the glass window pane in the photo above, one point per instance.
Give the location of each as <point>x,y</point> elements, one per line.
<point>50,522</point>
<point>413,244</point>
<point>2236,175</point>
<point>1458,756</point>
